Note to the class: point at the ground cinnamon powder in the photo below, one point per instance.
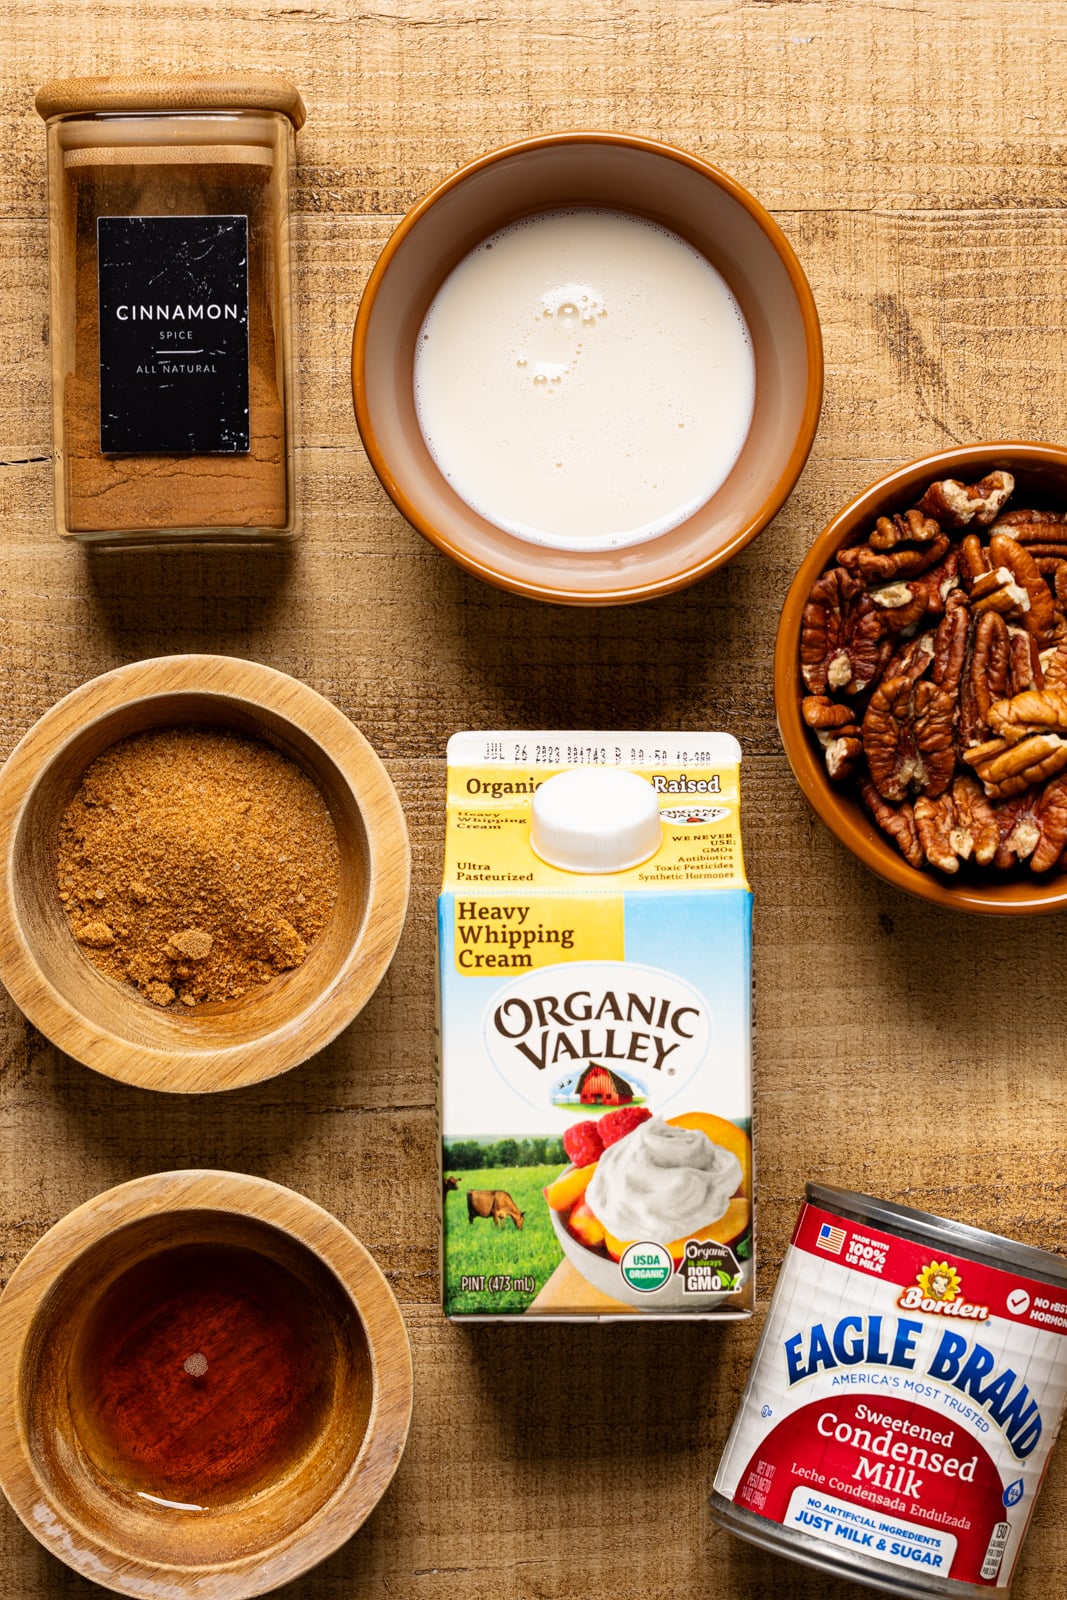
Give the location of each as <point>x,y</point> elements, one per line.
<point>196,864</point>
<point>117,492</point>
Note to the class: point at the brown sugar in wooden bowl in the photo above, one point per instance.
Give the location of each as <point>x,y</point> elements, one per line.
<point>1040,473</point>
<point>107,1024</point>
<point>205,1386</point>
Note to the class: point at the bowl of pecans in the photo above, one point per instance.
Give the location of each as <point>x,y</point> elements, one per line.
<point>920,677</point>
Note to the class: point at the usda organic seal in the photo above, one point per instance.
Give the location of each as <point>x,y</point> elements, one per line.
<point>646,1266</point>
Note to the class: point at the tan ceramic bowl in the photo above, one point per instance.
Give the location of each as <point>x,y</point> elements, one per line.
<point>261,1449</point>
<point>107,1025</point>
<point>1040,472</point>
<point>668,186</point>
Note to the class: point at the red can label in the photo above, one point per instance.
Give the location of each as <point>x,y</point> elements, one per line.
<point>902,1402</point>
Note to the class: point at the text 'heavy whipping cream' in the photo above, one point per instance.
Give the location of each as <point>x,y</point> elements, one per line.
<point>585,379</point>
<point>595,995</point>
<point>907,1389</point>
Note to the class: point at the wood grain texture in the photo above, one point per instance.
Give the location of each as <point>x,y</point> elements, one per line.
<point>912,153</point>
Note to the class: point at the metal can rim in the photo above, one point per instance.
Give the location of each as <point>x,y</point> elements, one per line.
<point>873,1573</point>
<point>924,1227</point>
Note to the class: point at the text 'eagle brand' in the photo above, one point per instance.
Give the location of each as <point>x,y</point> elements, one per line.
<point>972,1369</point>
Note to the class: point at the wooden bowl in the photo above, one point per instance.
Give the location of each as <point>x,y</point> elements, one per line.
<point>686,195</point>
<point>205,1386</point>
<point>1040,472</point>
<point>108,1025</point>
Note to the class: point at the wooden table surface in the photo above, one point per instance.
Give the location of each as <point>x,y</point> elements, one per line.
<point>914,155</point>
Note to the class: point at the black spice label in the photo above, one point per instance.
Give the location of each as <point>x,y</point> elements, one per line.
<point>173,299</point>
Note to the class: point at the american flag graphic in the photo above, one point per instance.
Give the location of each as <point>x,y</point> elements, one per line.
<point>830,1238</point>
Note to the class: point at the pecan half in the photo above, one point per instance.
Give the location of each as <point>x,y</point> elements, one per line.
<point>840,632</point>
<point>1054,666</point>
<point>1057,550</point>
<point>888,738</point>
<point>1033,711</point>
<point>950,644</point>
<point>974,559</point>
<point>907,737</point>
<point>1004,551</point>
<point>911,528</point>
<point>1051,814</point>
<point>939,583</point>
<point>1026,526</point>
<point>958,825</point>
<point>901,605</point>
<point>955,504</point>
<point>976,826</point>
<point>897,822</point>
<point>1008,769</point>
<point>1025,661</point>
<point>838,733</point>
<point>885,566</point>
<point>987,676</point>
<point>913,658</point>
<point>1054,571</point>
<point>935,717</point>
<point>1017,829</point>
<point>935,822</point>
<point>996,590</point>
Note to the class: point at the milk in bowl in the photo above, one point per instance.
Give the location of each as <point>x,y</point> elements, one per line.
<point>585,379</point>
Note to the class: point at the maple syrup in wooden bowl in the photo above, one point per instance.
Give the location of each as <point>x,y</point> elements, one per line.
<point>204,1373</point>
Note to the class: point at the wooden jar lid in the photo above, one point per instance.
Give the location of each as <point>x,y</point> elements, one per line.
<point>170,92</point>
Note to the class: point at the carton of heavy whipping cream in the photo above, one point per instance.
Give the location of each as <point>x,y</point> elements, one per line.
<point>594,951</point>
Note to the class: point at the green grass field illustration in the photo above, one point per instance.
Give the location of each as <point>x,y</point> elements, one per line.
<point>512,1263</point>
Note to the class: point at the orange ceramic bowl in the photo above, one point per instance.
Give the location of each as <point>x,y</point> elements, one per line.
<point>683,193</point>
<point>1040,472</point>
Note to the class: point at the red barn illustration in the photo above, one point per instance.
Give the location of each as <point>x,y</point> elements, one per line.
<point>599,1086</point>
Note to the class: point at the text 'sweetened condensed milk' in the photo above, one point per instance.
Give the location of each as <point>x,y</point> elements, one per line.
<point>585,379</point>
<point>595,1007</point>
<point>905,1395</point>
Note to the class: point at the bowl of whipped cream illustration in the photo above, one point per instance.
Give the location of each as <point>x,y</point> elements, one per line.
<point>657,1212</point>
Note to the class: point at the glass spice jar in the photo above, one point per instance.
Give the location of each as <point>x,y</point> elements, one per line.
<point>168,207</point>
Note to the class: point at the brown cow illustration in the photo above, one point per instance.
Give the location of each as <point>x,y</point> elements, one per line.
<point>495,1203</point>
<point>448,1184</point>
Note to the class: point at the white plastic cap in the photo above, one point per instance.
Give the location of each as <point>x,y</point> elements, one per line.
<point>596,819</point>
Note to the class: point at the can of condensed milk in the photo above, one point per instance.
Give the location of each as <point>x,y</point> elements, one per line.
<point>902,1403</point>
